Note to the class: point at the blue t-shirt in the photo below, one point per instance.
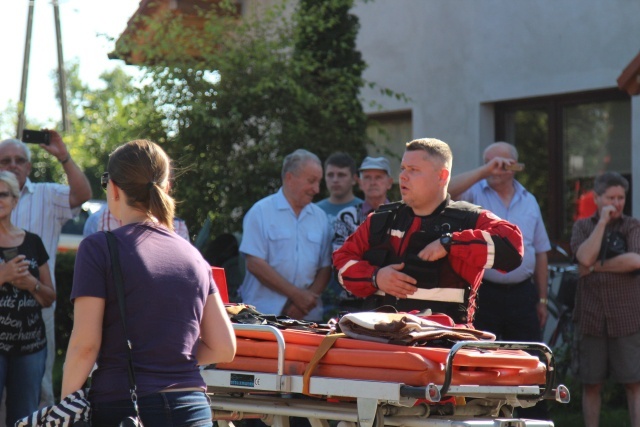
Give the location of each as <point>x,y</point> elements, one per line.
<point>332,209</point>
<point>166,284</point>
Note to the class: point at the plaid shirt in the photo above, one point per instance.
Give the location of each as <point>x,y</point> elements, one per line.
<point>608,304</point>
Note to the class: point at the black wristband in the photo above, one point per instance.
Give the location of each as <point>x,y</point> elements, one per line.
<point>374,282</point>
<point>66,159</point>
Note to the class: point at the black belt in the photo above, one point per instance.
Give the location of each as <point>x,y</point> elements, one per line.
<point>507,285</point>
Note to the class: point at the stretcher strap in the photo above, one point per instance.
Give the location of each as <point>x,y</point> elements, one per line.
<point>324,346</point>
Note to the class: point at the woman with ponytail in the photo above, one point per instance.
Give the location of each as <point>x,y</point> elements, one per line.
<point>174,315</point>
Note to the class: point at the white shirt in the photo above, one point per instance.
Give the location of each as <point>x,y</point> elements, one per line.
<point>296,247</point>
<point>524,212</point>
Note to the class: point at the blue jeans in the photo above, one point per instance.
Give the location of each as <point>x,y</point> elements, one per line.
<point>21,376</point>
<point>172,409</point>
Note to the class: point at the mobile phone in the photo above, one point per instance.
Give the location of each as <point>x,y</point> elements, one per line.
<point>516,167</point>
<point>9,254</point>
<point>35,137</point>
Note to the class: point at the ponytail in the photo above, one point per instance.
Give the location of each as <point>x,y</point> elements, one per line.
<point>161,205</point>
<point>142,169</point>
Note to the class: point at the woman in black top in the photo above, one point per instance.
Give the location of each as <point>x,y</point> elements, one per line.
<point>26,288</point>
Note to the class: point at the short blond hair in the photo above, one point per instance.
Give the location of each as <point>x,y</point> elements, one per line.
<point>12,182</point>
<point>434,148</point>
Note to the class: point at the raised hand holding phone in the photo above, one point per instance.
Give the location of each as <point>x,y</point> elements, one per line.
<point>516,167</point>
<point>35,137</point>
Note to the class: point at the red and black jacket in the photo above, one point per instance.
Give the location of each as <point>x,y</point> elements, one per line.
<point>394,234</point>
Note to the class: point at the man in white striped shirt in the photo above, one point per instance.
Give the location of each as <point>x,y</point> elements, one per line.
<point>42,209</point>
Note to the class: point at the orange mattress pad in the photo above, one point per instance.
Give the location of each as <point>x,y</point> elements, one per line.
<point>365,360</point>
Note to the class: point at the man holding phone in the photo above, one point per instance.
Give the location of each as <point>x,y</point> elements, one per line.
<point>35,137</point>
<point>42,209</point>
<point>512,305</point>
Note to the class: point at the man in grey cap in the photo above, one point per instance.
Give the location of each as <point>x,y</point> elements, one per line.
<point>374,180</point>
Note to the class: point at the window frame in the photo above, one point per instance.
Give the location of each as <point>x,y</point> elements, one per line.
<point>554,105</point>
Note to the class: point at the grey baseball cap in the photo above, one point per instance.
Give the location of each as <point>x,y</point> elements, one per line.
<point>380,163</point>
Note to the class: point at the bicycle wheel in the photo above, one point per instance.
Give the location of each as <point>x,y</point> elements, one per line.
<point>561,343</point>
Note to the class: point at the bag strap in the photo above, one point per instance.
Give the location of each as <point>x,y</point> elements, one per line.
<point>117,279</point>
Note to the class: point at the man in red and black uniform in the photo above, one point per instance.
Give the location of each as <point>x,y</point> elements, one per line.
<point>427,252</point>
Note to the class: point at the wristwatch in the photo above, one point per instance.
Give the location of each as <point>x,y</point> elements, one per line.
<point>446,241</point>
<point>374,279</point>
<point>37,288</point>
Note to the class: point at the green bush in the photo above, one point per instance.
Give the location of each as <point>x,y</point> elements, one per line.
<point>64,308</point>
<point>64,314</point>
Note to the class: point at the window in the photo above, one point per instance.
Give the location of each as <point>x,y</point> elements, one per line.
<point>388,133</point>
<point>565,141</point>
<point>72,230</point>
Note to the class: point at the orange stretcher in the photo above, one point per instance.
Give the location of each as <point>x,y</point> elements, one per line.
<point>365,360</point>
<point>282,373</point>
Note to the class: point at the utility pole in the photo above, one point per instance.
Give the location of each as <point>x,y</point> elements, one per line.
<point>62,80</point>
<point>25,72</point>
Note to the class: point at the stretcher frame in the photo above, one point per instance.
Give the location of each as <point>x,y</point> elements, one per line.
<point>274,397</point>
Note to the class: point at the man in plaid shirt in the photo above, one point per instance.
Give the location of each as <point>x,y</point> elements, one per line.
<point>608,298</point>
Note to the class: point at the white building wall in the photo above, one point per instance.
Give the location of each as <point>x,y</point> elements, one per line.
<point>454,58</point>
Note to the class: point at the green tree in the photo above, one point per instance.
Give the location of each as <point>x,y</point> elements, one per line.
<point>101,118</point>
<point>105,117</point>
<point>8,120</point>
<point>329,67</point>
<point>253,92</point>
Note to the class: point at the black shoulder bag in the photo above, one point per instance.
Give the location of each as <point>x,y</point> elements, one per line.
<point>117,279</point>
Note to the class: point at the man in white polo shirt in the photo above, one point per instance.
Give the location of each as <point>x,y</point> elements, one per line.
<point>286,244</point>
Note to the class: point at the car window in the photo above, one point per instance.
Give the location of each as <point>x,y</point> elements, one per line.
<point>71,233</point>
<point>76,225</point>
